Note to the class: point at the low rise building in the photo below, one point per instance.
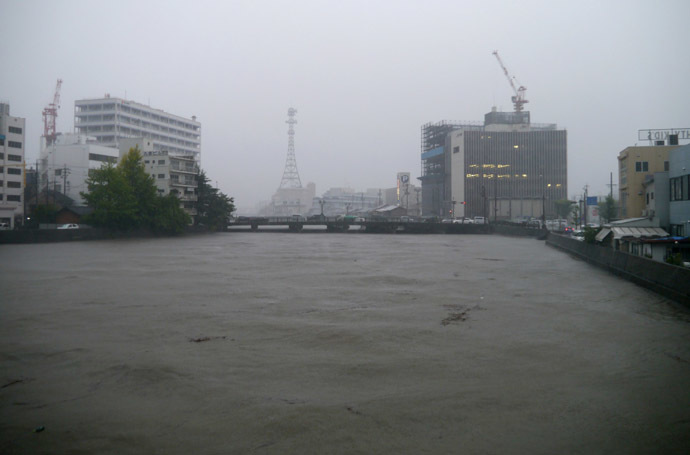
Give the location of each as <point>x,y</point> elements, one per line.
<point>65,164</point>
<point>635,165</point>
<point>172,172</point>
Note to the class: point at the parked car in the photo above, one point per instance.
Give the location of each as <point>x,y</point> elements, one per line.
<point>4,226</point>
<point>68,226</point>
<point>479,220</point>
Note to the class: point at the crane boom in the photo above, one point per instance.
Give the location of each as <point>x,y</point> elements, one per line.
<point>50,115</point>
<point>519,98</point>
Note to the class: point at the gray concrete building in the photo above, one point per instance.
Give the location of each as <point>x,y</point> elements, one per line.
<point>679,187</point>
<point>502,169</point>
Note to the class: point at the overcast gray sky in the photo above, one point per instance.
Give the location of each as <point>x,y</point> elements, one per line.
<point>364,76</point>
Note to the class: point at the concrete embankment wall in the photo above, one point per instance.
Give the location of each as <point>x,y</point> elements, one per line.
<point>516,230</point>
<point>669,280</point>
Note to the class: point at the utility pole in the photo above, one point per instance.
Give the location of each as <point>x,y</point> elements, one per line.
<point>585,206</point>
<point>611,185</point>
<point>37,177</point>
<point>64,180</point>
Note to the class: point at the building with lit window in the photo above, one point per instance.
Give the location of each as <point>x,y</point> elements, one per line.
<point>12,167</point>
<point>505,168</point>
<point>111,119</point>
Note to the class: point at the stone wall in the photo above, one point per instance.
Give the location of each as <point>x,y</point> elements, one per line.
<point>669,280</point>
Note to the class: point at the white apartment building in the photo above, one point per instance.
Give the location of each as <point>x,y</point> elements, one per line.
<point>12,167</point>
<point>64,165</point>
<point>171,173</point>
<point>111,119</point>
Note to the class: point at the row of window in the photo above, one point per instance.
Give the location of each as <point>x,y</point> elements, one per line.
<point>102,158</point>
<point>14,144</point>
<point>15,130</point>
<point>154,161</point>
<point>679,188</point>
<point>12,198</point>
<point>643,166</point>
<point>11,170</point>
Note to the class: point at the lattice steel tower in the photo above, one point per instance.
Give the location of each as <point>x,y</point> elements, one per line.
<point>290,174</point>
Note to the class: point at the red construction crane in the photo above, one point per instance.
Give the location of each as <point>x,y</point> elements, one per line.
<point>519,98</point>
<point>50,114</point>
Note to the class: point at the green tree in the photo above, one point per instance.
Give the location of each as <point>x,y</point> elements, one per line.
<point>608,209</point>
<point>563,207</point>
<point>43,213</point>
<point>169,216</point>
<point>112,199</point>
<point>142,185</point>
<point>213,207</point>
<point>125,197</point>
<point>591,234</point>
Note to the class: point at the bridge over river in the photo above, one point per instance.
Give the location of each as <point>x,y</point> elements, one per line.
<point>341,224</point>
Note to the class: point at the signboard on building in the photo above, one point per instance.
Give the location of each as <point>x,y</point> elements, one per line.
<point>662,135</point>
<point>403,185</point>
<point>592,200</point>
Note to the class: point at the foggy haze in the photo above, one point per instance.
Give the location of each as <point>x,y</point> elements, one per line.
<point>364,76</point>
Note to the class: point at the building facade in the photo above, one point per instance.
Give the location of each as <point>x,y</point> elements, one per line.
<point>679,186</point>
<point>635,166</point>
<point>65,164</point>
<point>504,169</point>
<point>12,167</point>
<point>171,173</point>
<point>111,119</point>
<point>174,174</point>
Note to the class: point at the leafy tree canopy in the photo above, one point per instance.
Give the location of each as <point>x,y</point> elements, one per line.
<point>563,207</point>
<point>213,207</point>
<point>125,197</point>
<point>607,209</point>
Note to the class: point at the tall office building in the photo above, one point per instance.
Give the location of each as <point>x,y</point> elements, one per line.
<point>505,168</point>
<point>12,167</point>
<point>111,119</point>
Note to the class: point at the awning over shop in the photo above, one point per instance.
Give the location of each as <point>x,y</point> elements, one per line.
<point>635,232</point>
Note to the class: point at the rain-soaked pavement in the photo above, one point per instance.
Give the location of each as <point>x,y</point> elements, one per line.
<point>334,343</point>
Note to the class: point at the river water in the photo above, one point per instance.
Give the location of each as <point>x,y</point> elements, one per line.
<point>334,343</point>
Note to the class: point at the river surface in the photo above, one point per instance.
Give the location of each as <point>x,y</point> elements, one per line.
<point>275,343</point>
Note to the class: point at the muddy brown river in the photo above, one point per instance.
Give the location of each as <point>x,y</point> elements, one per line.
<point>276,343</point>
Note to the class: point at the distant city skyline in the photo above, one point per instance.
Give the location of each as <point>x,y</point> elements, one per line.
<point>364,77</point>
